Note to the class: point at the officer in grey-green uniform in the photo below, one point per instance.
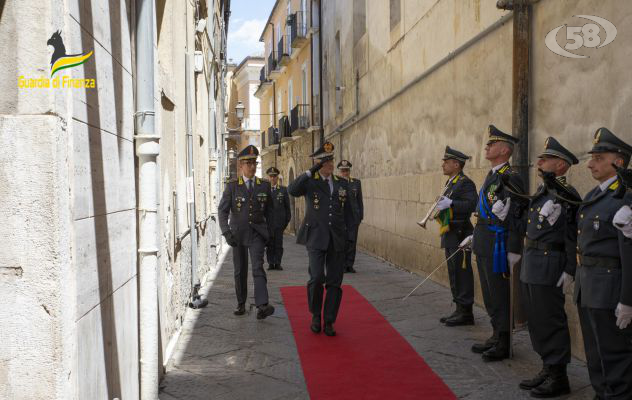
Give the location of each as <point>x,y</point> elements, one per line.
<point>244,213</point>
<point>497,242</point>
<point>549,262</point>
<point>357,206</point>
<point>603,282</point>
<point>281,216</point>
<point>460,198</point>
<point>324,232</point>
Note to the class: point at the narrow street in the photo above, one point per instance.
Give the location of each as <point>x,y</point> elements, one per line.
<point>222,356</point>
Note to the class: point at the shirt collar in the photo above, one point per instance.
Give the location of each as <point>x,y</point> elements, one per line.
<point>498,167</point>
<point>603,186</point>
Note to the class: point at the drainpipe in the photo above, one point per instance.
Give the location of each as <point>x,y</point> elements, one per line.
<point>520,104</point>
<point>147,150</point>
<point>320,67</point>
<point>196,300</point>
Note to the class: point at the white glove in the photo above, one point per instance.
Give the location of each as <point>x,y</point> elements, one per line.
<point>623,221</point>
<point>624,315</point>
<point>444,203</point>
<point>513,258</point>
<point>551,211</point>
<point>467,242</point>
<point>501,209</point>
<point>565,279</point>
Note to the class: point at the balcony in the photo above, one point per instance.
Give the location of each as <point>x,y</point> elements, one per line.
<point>273,67</point>
<point>284,51</point>
<point>272,138</point>
<point>298,23</point>
<point>264,82</point>
<point>299,118</point>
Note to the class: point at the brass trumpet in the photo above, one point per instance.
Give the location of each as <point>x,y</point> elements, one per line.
<point>432,212</point>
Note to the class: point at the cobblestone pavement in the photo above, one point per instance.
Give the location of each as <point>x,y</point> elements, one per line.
<point>222,356</point>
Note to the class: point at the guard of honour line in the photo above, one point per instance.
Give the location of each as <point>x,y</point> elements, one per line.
<point>558,238</point>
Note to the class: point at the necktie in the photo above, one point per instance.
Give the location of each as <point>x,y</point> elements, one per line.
<point>249,186</point>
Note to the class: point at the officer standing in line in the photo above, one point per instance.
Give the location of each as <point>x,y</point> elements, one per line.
<point>603,286</point>
<point>497,241</point>
<point>355,191</point>
<point>281,216</point>
<point>549,266</point>
<point>248,202</point>
<point>325,232</point>
<point>460,199</point>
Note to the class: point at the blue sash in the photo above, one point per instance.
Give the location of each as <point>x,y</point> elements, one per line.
<point>500,248</point>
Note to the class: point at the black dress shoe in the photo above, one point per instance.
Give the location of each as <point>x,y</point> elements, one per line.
<point>315,327</point>
<point>500,351</point>
<point>480,348</point>
<point>464,316</point>
<point>264,311</point>
<point>270,267</point>
<point>536,381</point>
<point>279,267</point>
<point>329,329</point>
<point>555,385</point>
<point>350,269</point>
<point>447,317</point>
<point>240,310</point>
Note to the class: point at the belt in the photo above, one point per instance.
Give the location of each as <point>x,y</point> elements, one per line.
<point>605,262</point>
<point>534,244</point>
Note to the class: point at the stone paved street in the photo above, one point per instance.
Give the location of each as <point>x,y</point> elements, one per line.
<point>221,356</point>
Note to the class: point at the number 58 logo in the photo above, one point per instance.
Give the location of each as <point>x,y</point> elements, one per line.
<point>581,36</point>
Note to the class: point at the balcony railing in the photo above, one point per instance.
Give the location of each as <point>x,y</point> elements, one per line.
<point>284,51</point>
<point>272,62</point>
<point>272,137</point>
<point>298,23</point>
<point>299,117</point>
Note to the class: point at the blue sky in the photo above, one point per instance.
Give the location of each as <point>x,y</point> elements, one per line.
<point>247,19</point>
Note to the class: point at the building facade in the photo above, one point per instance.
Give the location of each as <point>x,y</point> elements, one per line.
<point>289,91</point>
<point>69,269</point>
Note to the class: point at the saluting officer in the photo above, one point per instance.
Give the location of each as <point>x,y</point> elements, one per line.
<point>549,266</point>
<point>281,216</point>
<point>325,232</point>
<point>248,202</point>
<point>357,206</point>
<point>460,199</point>
<point>603,288</point>
<point>497,241</point>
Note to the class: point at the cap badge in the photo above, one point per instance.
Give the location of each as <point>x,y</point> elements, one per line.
<point>328,147</point>
<point>597,137</point>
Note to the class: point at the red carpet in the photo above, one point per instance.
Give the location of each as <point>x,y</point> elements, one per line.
<point>368,359</point>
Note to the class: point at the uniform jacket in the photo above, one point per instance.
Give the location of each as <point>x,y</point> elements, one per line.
<point>327,215</point>
<point>597,286</point>
<point>493,189</point>
<point>544,267</point>
<point>357,206</point>
<point>462,191</point>
<point>281,213</point>
<point>243,213</point>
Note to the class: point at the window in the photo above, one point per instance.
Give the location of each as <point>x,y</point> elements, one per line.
<point>304,84</point>
<point>395,12</point>
<point>359,19</point>
<point>290,96</point>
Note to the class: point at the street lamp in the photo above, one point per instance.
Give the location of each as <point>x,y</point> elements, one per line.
<point>239,111</point>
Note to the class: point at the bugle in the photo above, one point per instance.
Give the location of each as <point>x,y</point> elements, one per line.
<point>432,212</point>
